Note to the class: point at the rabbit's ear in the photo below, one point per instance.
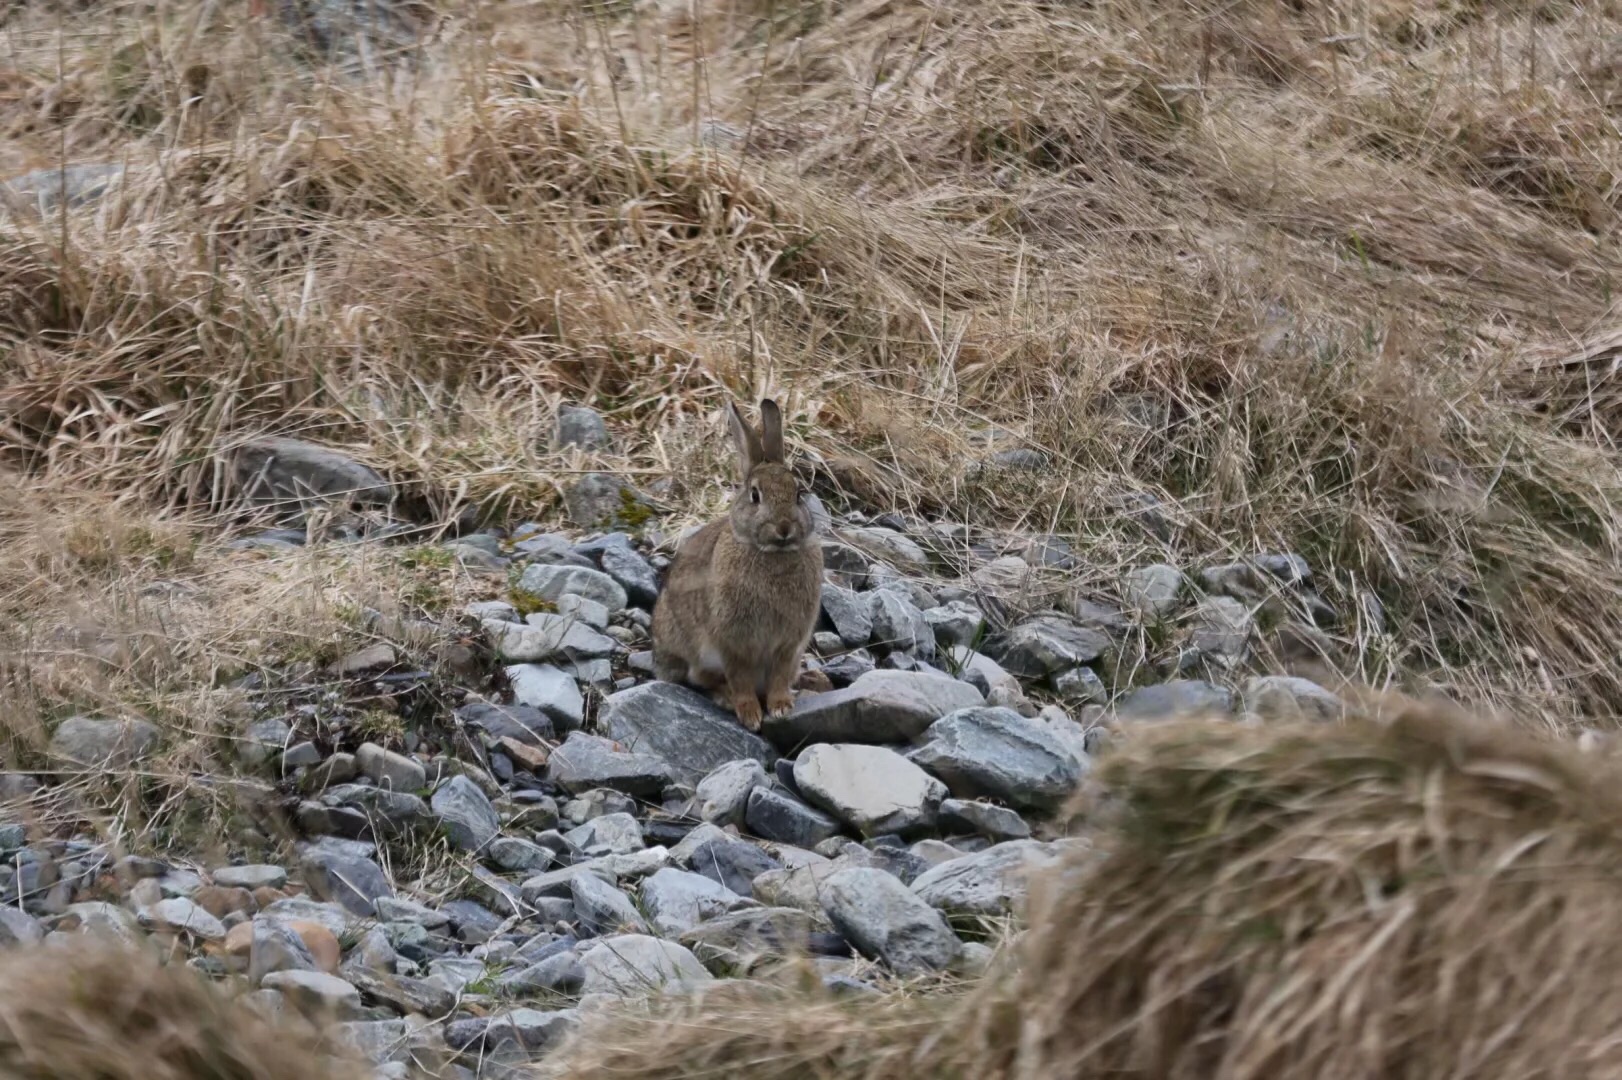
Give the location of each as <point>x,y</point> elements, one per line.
<point>750,453</point>
<point>771,430</point>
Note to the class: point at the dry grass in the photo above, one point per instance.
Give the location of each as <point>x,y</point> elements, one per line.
<point>93,1009</point>
<point>1311,244</point>
<point>1422,896</point>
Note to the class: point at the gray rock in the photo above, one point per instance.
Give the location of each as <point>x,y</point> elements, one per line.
<point>682,853</point>
<point>517,855</point>
<point>732,863</point>
<point>602,908</point>
<point>290,473</point>
<point>632,965</point>
<point>1007,576</point>
<point>521,1033</point>
<point>300,756</point>
<point>849,567</point>
<point>524,723</point>
<point>677,900</point>
<point>276,947</point>
<point>1081,684</point>
<point>250,877</point>
<point>996,822</point>
<point>998,753</point>
<point>334,917</point>
<point>315,993</point>
<point>1089,613</point>
<point>595,803</point>
<point>613,834</point>
<point>549,582</point>
<point>846,668</point>
<point>982,672</point>
<point>108,920</point>
<point>362,661</point>
<point>879,707</point>
<point>492,609</point>
<point>118,744</point>
<point>377,1041</point>
<point>723,795</point>
<point>599,501</point>
<point>887,922</point>
<point>847,612</point>
<point>891,547</point>
<point>557,883</point>
<point>989,883</point>
<point>558,973</point>
<point>1155,590</point>
<point>392,909</point>
<point>1288,568</point>
<point>797,886</point>
<point>337,769</point>
<point>775,815</point>
<point>580,609</point>
<point>578,425</point>
<point>263,741</point>
<point>1240,580</point>
<point>622,562</point>
<point>19,928</point>
<point>731,941</point>
<point>899,625</point>
<point>1046,645</point>
<point>1287,698</point>
<point>547,637</point>
<point>44,190</point>
<point>381,811</point>
<point>549,690</point>
<point>1221,629</point>
<point>681,727</point>
<point>181,916</point>
<point>1051,552</point>
<point>588,761</point>
<point>466,814</point>
<point>957,624</point>
<point>389,769</point>
<point>1180,697</point>
<point>872,789</point>
<point>349,880</point>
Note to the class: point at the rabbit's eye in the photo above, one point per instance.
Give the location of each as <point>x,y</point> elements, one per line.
<point>754,494</point>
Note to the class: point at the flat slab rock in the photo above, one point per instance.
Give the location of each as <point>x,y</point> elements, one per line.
<point>879,707</point>
<point>988,883</point>
<point>887,922</point>
<point>1047,645</point>
<point>682,728</point>
<point>997,752</point>
<point>586,761</point>
<point>632,965</point>
<point>872,789</point>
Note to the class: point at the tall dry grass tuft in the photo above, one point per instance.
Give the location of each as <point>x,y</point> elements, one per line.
<point>1432,896</point>
<point>1426,895</point>
<point>98,1009</point>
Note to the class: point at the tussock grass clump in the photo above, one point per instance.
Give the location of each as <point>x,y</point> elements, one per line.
<point>1427,896</point>
<point>97,1009</point>
<point>1419,896</point>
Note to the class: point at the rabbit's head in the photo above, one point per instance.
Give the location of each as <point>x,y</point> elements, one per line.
<point>768,511</point>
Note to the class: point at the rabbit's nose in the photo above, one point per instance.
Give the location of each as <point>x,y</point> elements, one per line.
<point>784,530</point>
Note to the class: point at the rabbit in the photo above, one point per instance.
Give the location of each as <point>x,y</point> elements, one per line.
<point>743,593</point>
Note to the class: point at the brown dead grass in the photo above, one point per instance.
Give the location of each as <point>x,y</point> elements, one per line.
<point>1419,896</point>
<point>94,1009</point>
<point>1318,240</point>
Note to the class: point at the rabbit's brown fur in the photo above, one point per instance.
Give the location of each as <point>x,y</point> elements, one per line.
<point>743,592</point>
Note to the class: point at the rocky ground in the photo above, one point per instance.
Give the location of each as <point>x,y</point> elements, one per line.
<point>480,827</point>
